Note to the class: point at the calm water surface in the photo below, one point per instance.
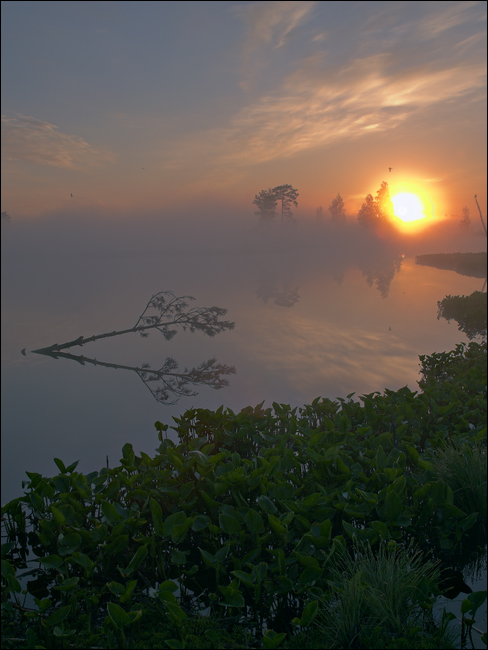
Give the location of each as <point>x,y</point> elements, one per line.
<point>315,315</point>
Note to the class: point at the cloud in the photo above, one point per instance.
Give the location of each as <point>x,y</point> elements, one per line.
<point>271,22</point>
<point>446,17</point>
<point>28,139</point>
<point>316,106</point>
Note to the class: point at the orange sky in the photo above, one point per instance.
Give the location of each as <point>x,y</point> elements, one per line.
<point>139,107</point>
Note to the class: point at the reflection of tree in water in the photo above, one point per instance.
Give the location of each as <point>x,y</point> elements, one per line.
<point>382,272</point>
<point>163,312</point>
<point>284,294</point>
<point>468,311</point>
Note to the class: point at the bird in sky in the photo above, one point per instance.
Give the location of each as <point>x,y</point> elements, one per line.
<point>23,352</point>
<point>71,196</point>
<point>390,168</point>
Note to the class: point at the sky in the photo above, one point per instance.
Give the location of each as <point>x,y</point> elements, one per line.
<point>133,108</point>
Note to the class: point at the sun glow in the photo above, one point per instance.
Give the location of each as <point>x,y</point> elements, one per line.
<point>408,207</point>
<point>413,209</point>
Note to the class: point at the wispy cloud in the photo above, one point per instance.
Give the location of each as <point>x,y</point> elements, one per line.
<point>446,17</point>
<point>315,107</point>
<point>27,139</point>
<point>272,22</point>
<point>269,25</point>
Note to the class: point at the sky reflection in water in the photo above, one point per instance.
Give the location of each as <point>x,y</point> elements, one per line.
<point>313,317</point>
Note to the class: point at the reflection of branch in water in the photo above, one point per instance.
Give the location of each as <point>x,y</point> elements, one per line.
<point>163,311</point>
<point>167,306</point>
<point>209,373</point>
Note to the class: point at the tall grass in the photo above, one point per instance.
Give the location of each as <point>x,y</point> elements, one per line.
<point>380,598</point>
<point>463,468</point>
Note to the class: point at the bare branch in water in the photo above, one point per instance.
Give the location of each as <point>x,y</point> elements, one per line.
<point>169,313</point>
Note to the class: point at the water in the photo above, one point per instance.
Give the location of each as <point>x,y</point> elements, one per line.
<point>307,324</point>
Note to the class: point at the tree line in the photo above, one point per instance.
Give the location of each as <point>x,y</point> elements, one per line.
<point>277,201</point>
<point>374,210</point>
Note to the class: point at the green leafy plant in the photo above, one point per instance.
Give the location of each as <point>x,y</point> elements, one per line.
<point>245,515</point>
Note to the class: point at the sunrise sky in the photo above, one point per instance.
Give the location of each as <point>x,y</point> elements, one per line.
<point>136,107</point>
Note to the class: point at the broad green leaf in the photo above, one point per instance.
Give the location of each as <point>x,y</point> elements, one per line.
<point>232,597</point>
<point>69,543</point>
<point>309,613</point>
<point>208,558</point>
<point>71,468</point>
<point>116,588</point>
<point>119,617</point>
<point>52,561</point>
<point>282,491</point>
<point>178,557</point>
<point>393,506</point>
<point>58,516</point>
<point>58,616</point>
<point>129,590</point>
<point>14,584</point>
<point>157,517</point>
<point>222,553</point>
<point>473,602</point>
<point>310,574</point>
<point>110,513</point>
<point>180,531</point>
<point>246,578</point>
<point>68,585</point>
<point>276,525</point>
<point>381,459</point>
<point>381,528</point>
<point>83,560</point>
<point>254,522</point>
<point>267,505</point>
<point>175,612</point>
<point>173,520</point>
<point>272,639</point>
<point>138,558</point>
<point>200,522</point>
<point>229,524</point>
<point>60,465</point>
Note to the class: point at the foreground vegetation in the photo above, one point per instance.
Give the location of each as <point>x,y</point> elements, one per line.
<point>322,526</point>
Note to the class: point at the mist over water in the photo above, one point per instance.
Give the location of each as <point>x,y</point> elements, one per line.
<point>321,309</point>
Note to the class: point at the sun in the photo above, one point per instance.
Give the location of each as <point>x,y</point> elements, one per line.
<point>408,207</point>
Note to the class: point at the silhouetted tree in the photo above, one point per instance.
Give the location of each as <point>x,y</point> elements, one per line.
<point>383,202</point>
<point>337,209</point>
<point>319,214</point>
<point>288,196</point>
<point>368,215</point>
<point>266,203</point>
<point>465,222</point>
<point>374,211</point>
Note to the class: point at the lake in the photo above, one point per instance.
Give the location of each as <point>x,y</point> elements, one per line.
<point>318,312</point>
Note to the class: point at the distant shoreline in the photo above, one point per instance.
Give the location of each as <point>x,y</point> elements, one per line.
<point>470,264</point>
